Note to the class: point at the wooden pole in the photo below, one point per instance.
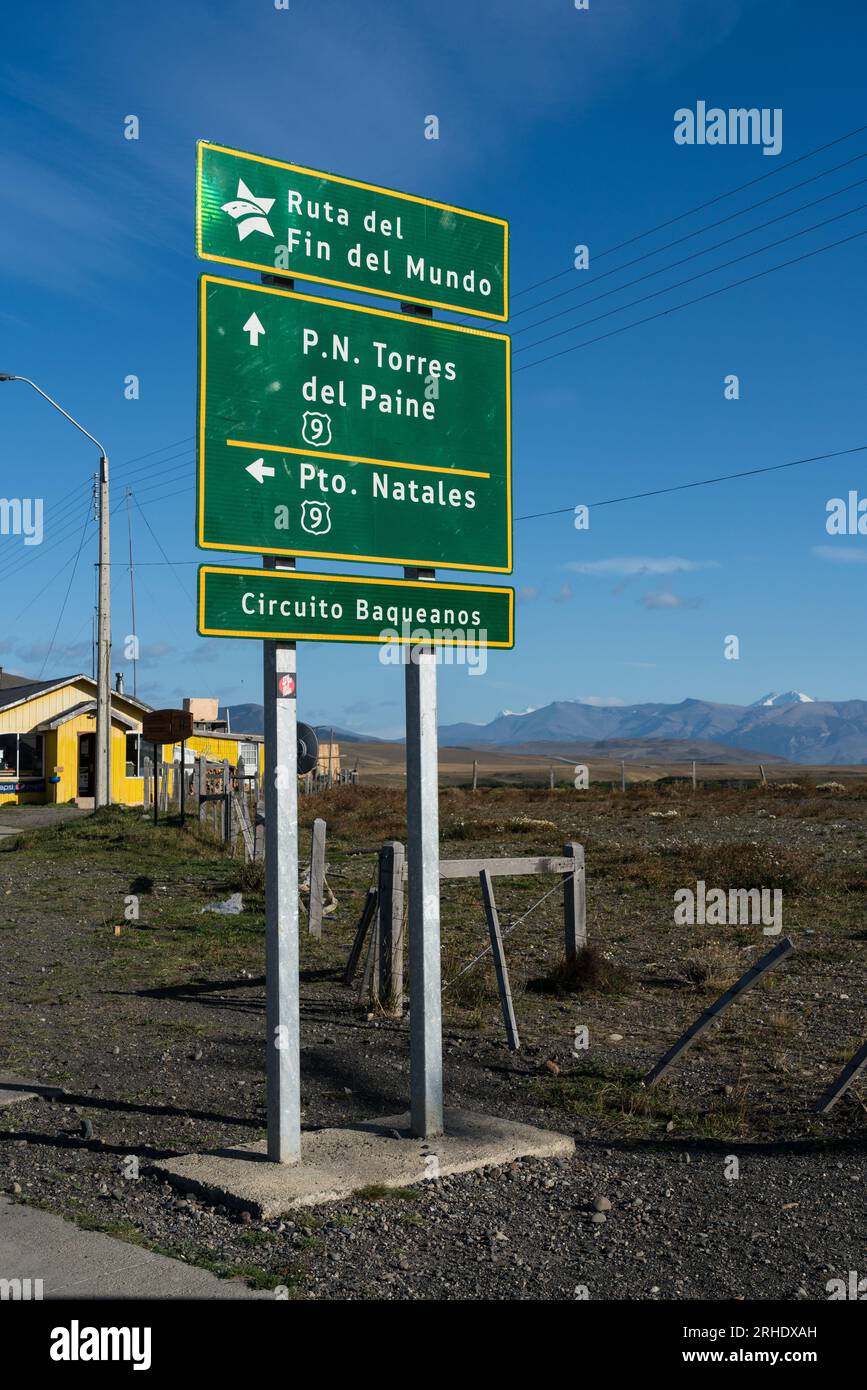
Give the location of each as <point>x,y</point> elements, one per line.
<point>475,774</point>
<point>693,774</point>
<point>574,903</point>
<point>390,956</point>
<point>317,879</point>
<point>622,776</point>
<point>227,803</point>
<point>499,961</point>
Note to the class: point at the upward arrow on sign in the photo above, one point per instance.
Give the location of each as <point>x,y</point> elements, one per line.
<point>253,326</point>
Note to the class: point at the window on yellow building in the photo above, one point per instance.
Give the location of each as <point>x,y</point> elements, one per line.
<point>30,755</point>
<point>21,755</point>
<point>9,753</point>
<point>133,755</point>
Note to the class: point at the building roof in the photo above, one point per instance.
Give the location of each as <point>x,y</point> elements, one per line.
<point>85,707</point>
<point>8,678</point>
<point>20,694</point>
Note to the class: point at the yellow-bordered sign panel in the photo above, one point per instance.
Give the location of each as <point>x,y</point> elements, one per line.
<point>286,219</point>
<point>292,605</point>
<point>335,431</point>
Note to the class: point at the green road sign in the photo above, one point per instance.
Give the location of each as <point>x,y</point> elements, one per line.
<point>267,215</point>
<point>340,432</point>
<point>289,605</point>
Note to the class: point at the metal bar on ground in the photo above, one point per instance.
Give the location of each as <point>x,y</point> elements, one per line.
<point>499,961</point>
<point>282,1026</point>
<point>703,1022</point>
<point>361,931</point>
<point>574,903</point>
<point>317,879</point>
<point>841,1083</point>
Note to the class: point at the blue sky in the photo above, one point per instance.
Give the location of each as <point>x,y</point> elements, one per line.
<point>562,121</point>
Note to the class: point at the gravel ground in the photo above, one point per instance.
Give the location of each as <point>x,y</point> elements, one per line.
<point>151,1031</point>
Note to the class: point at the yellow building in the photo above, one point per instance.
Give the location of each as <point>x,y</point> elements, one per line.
<point>48,744</point>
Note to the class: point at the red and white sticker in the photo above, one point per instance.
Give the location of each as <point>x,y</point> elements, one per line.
<point>286,686</point>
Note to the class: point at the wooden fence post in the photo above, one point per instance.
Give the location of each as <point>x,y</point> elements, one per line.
<point>499,961</point>
<point>574,903</point>
<point>622,776</point>
<point>317,879</point>
<point>227,802</point>
<point>693,774</point>
<point>201,780</point>
<point>475,774</point>
<point>390,936</point>
<point>146,771</point>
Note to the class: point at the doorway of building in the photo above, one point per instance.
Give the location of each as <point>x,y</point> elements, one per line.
<point>87,765</point>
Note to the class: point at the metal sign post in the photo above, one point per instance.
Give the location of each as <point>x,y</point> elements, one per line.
<point>282,1026</point>
<point>423,866</point>
<point>333,430</point>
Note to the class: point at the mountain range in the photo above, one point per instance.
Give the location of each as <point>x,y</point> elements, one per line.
<point>792,725</point>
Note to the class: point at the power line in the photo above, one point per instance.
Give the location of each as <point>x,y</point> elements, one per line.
<point>162,552</point>
<point>87,519</point>
<point>673,309</point>
<point>678,284</point>
<point>706,250</point>
<point>702,482</point>
<point>789,164</point>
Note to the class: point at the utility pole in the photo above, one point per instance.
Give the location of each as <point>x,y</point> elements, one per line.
<point>103,650</point>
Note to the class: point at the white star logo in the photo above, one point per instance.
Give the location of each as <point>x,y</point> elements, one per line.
<point>251,210</point>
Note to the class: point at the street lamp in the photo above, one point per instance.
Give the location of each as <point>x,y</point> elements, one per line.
<point>103,662</point>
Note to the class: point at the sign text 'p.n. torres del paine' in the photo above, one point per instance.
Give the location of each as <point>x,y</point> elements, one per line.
<point>272,216</point>
<point>331,430</point>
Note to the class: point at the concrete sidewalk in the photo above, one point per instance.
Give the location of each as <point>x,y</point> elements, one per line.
<point>73,1263</point>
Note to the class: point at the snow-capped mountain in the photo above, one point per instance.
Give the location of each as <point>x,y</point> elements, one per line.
<point>792,726</point>
<point>789,697</point>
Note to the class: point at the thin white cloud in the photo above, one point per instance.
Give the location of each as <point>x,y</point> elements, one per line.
<point>630,565</point>
<point>841,555</point>
<point>664,598</point>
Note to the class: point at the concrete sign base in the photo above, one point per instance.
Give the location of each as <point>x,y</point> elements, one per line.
<point>335,1163</point>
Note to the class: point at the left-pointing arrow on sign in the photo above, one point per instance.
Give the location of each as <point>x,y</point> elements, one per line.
<point>253,326</point>
<point>260,470</point>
